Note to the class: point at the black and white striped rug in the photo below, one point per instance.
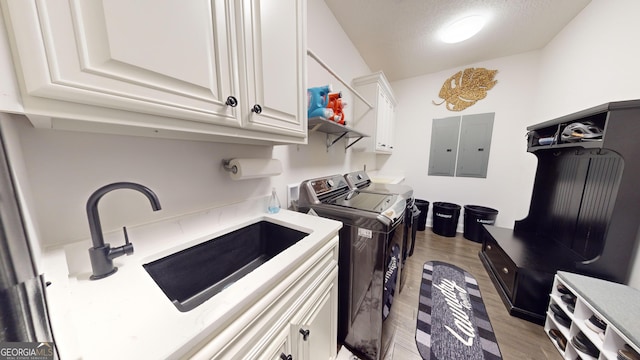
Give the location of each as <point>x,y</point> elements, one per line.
<point>452,320</point>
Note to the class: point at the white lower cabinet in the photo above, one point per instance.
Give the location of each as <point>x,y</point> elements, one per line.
<point>300,324</point>
<point>617,335</point>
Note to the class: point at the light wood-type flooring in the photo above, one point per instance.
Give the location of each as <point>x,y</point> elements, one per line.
<point>518,339</point>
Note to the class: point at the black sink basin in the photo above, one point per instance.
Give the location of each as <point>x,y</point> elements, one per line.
<point>191,276</point>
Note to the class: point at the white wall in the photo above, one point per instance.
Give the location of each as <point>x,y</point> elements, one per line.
<point>61,169</point>
<point>64,168</point>
<point>594,60</point>
<point>507,187</point>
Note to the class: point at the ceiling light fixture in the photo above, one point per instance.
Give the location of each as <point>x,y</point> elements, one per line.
<point>462,29</point>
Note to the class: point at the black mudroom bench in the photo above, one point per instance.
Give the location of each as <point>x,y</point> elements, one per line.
<point>584,211</point>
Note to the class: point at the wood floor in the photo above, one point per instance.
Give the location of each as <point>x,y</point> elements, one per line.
<point>518,339</point>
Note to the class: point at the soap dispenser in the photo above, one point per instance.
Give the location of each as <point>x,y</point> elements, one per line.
<point>274,202</point>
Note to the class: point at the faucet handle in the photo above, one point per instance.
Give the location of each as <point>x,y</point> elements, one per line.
<point>126,236</point>
<point>128,247</point>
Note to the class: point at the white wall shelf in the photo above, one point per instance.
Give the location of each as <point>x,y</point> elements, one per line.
<point>336,131</point>
<point>333,129</point>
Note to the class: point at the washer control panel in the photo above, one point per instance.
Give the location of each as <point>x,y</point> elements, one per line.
<point>325,185</point>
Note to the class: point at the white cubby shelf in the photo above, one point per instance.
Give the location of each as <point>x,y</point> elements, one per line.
<point>616,304</point>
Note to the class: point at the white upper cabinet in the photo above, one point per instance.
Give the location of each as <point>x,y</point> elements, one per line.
<point>191,69</point>
<point>379,121</point>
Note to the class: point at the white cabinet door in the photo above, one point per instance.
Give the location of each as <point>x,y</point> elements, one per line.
<point>389,123</point>
<point>384,123</point>
<point>381,108</point>
<point>386,117</point>
<point>159,57</point>
<point>315,335</point>
<point>275,53</point>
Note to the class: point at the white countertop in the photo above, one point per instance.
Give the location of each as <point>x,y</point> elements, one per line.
<point>127,316</point>
<point>385,178</point>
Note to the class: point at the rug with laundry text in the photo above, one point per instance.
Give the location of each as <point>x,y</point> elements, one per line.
<point>452,320</point>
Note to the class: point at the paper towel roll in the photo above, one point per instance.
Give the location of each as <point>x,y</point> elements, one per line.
<point>241,169</point>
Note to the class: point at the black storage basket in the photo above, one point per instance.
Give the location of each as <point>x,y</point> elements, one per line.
<point>445,218</point>
<point>474,217</point>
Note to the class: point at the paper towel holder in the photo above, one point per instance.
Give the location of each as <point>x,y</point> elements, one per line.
<point>247,168</point>
<point>226,163</point>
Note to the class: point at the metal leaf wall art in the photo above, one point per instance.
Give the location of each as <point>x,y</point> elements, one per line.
<point>466,87</point>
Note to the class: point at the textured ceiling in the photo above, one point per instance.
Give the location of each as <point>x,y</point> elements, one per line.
<point>399,37</point>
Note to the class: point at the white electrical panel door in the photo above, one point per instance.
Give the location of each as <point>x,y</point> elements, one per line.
<point>460,145</point>
<point>475,143</point>
<point>444,146</point>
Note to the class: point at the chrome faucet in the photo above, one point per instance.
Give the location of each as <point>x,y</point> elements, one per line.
<point>101,254</point>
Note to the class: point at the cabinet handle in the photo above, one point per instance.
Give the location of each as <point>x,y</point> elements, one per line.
<point>305,334</point>
<point>488,247</point>
<point>285,357</point>
<point>232,101</point>
<point>256,109</point>
<point>448,150</point>
<point>505,270</point>
<point>480,149</point>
